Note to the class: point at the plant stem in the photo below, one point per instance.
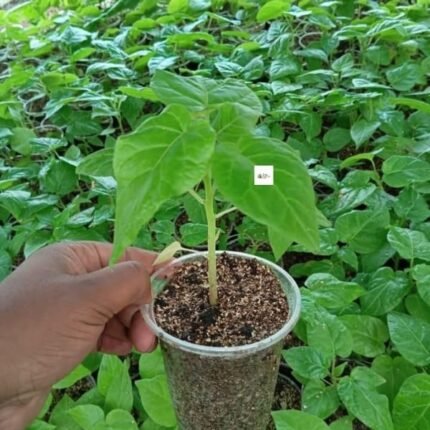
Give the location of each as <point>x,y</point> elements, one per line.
<point>211,220</point>
<point>227,211</point>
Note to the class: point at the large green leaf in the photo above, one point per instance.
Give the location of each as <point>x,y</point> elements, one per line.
<point>402,170</point>
<point>165,157</point>
<point>156,400</point>
<point>359,394</point>
<point>362,130</point>
<point>421,274</point>
<point>385,290</point>
<point>409,244</point>
<point>307,362</point>
<point>297,420</point>
<point>332,293</point>
<point>412,404</point>
<point>394,371</point>
<point>320,399</point>
<point>287,205</point>
<point>411,336</point>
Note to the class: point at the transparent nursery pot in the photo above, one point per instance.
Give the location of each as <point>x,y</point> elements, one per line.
<point>222,388</point>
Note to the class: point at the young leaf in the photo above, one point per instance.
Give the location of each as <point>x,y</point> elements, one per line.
<point>119,419</point>
<point>156,400</point>
<point>319,399</point>
<point>87,416</point>
<point>307,362</point>
<point>288,202</point>
<point>297,420</point>
<point>369,334</point>
<point>362,131</point>
<point>358,393</point>
<point>165,157</point>
<point>402,170</point>
<point>411,406</point>
<point>411,337</point>
<point>167,253</point>
<point>421,274</point>
<point>394,371</point>
<point>272,9</point>
<point>99,163</point>
<point>409,244</point>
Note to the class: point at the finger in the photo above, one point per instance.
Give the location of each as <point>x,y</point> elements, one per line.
<point>110,290</point>
<point>111,345</point>
<point>93,256</point>
<point>126,315</point>
<point>141,335</point>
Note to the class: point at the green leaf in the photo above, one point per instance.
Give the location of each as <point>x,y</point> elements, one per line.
<point>344,423</point>
<point>173,146</point>
<point>369,334</point>
<point>177,6</point>
<point>411,205</point>
<point>409,244</point>
<point>361,399</point>
<point>114,383</point>
<point>297,420</point>
<point>289,202</point>
<point>99,163</point>
<point>156,400</point>
<point>319,399</point>
<point>364,231</point>
<point>193,234</point>
<point>307,362</point>
<point>405,77</point>
<point>385,290</point>
<point>20,141</point>
<point>363,130</point>
<point>58,178</point>
<point>272,9</point>
<point>121,420</point>
<point>151,364</point>
<point>5,264</point>
<point>74,376</point>
<point>332,293</point>
<point>411,336</point>
<point>411,406</point>
<point>421,274</point>
<point>412,103</point>
<point>311,124</point>
<point>87,416</point>
<point>417,307</point>
<point>402,170</point>
<point>336,138</point>
<point>394,371</point>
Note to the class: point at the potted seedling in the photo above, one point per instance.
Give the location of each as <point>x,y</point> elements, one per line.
<point>221,317</point>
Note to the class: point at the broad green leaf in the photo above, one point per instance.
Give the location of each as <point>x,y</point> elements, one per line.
<point>297,420</point>
<point>311,124</point>
<point>412,404</point>
<point>336,138</point>
<point>75,375</point>
<point>411,336</point>
<point>319,399</point>
<point>272,9</point>
<point>99,163</point>
<point>369,334</point>
<point>362,400</point>
<point>331,292</point>
<point>412,103</point>
<point>177,6</point>
<point>402,170</point>
<point>385,290</point>
<point>58,178</point>
<point>363,130</point>
<point>151,364</point>
<point>5,264</point>
<point>405,76</point>
<point>410,244</point>
<point>114,383</point>
<point>394,371</point>
<point>193,234</point>
<point>307,362</point>
<point>156,400</point>
<point>40,425</point>
<point>121,420</point>
<point>87,416</point>
<point>411,205</point>
<point>417,307</point>
<point>20,141</point>
<point>53,80</point>
<point>344,423</point>
<point>365,230</point>
<point>279,241</point>
<point>288,202</point>
<point>327,334</point>
<point>173,146</point>
<point>421,274</point>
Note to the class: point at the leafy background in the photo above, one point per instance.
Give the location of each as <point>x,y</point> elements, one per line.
<point>342,82</point>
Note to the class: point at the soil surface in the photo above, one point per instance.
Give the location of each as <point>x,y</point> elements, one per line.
<point>251,303</point>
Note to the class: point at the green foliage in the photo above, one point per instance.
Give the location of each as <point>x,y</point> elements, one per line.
<point>334,89</point>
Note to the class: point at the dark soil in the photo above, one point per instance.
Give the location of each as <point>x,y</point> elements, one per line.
<point>251,304</point>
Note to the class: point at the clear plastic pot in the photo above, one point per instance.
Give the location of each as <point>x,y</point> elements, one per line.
<point>222,388</point>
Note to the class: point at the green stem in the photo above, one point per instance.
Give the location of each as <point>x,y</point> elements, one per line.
<point>211,220</point>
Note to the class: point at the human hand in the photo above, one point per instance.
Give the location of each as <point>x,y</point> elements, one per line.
<point>58,306</point>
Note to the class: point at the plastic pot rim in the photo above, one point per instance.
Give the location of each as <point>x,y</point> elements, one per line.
<point>147,312</point>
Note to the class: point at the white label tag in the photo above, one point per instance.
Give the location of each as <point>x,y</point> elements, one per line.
<point>263,175</point>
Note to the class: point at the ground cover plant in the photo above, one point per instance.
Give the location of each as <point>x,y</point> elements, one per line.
<point>344,83</point>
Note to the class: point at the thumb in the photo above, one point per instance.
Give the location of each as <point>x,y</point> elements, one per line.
<point>112,289</point>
